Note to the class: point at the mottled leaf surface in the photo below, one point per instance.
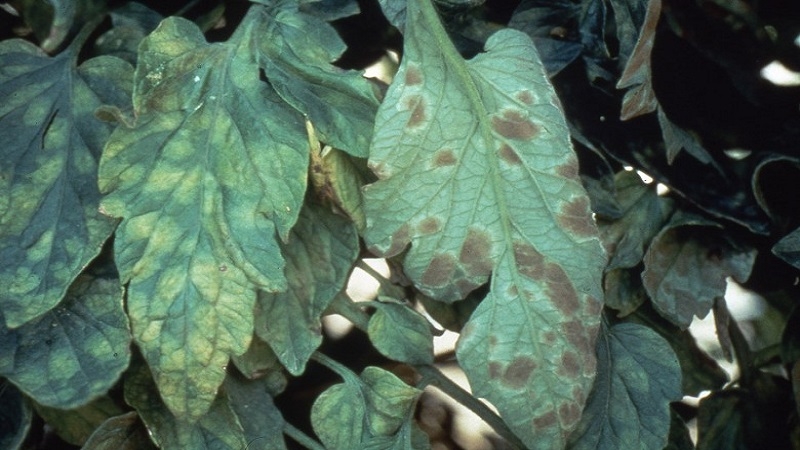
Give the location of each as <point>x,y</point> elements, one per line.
<point>218,429</point>
<point>296,51</point>
<point>373,411</point>
<point>686,267</point>
<point>322,248</point>
<point>401,334</point>
<point>213,169</point>
<point>260,418</point>
<point>49,224</point>
<point>476,171</point>
<point>123,432</point>
<point>638,375</point>
<point>72,353</point>
<point>15,417</point>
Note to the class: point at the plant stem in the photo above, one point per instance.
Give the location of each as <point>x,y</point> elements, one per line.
<point>301,438</point>
<point>347,308</point>
<point>387,288</point>
<point>432,376</point>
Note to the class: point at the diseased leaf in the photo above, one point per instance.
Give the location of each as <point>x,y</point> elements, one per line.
<point>624,291</point>
<point>131,23</point>
<point>54,21</point>
<point>552,26</point>
<point>677,139</point>
<point>373,411</point>
<point>260,418</point>
<point>49,224</point>
<point>75,426</point>
<point>630,17</point>
<point>401,334</point>
<point>644,213</point>
<point>73,353</point>
<point>214,167</point>
<point>638,375</point>
<point>341,104</point>
<point>259,361</point>
<point>15,417</point>
<point>476,171</point>
<point>637,77</point>
<point>123,432</point>
<point>321,250</point>
<point>218,429</point>
<point>686,267</point>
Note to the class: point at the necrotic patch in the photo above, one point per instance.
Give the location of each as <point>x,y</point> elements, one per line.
<point>508,155</point>
<point>444,157</point>
<point>476,253</point>
<point>512,124</point>
<point>440,270</point>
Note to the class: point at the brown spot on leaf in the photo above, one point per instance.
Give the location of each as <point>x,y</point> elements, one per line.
<point>444,157</point>
<point>525,96</point>
<point>495,370</point>
<point>518,372</point>
<point>465,286</point>
<point>569,170</point>
<point>550,338</point>
<point>570,366</point>
<point>440,270</point>
<point>429,225</point>
<point>529,261</point>
<point>561,290</point>
<point>575,333</point>
<point>514,125</point>
<point>569,413</point>
<point>576,216</point>
<point>413,76</point>
<point>513,291</point>
<point>544,421</point>
<point>400,239</point>
<point>508,155</point>
<point>492,340</point>
<point>476,253</point>
<point>415,103</point>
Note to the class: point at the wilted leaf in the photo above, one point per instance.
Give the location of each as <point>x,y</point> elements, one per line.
<point>260,418</point>
<point>321,250</point>
<point>214,167</point>
<point>49,224</point>
<point>73,353</point>
<point>637,377</point>
<point>636,77</point>
<point>686,267</point>
<point>477,172</point>
<point>77,425</point>
<point>401,334</point>
<point>15,417</point>
<point>123,432</point>
<point>341,104</point>
<point>644,213</point>
<point>218,429</point>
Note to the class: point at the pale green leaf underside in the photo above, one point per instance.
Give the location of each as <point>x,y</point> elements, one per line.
<point>298,50</point>
<point>321,250</point>
<point>638,375</point>
<point>213,170</point>
<point>477,173</point>
<point>49,224</point>
<point>73,353</point>
<point>401,334</point>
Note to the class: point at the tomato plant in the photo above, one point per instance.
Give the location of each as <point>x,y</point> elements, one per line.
<point>188,186</point>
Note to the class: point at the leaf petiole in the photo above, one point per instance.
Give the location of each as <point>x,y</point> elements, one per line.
<point>301,438</point>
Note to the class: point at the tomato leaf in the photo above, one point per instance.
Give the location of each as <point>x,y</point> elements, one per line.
<point>49,224</point>
<point>15,417</point>
<point>123,432</point>
<point>76,425</point>
<point>214,167</point>
<point>73,353</point>
<point>321,250</point>
<point>638,375</point>
<point>401,334</point>
<point>260,418</point>
<point>476,171</point>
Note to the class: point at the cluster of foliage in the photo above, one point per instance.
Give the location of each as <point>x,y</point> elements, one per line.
<point>186,188</point>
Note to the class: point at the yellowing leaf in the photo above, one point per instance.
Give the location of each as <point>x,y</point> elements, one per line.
<point>214,168</point>
<point>49,224</point>
<point>477,172</point>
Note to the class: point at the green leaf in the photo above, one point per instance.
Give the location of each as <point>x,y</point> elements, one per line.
<point>686,267</point>
<point>259,361</point>
<point>218,429</point>
<point>123,432</point>
<point>637,77</point>
<point>297,50</point>
<point>260,418</point>
<point>214,167</point>
<point>77,425</point>
<point>73,353</point>
<point>401,334</point>
<point>15,417</point>
<point>644,213</point>
<point>637,377</point>
<point>373,411</point>
<point>131,23</point>
<point>49,224</point>
<point>321,250</point>
<point>624,291</point>
<point>477,172</point>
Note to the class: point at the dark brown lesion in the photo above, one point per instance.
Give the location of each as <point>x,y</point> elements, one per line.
<point>576,217</point>
<point>415,103</point>
<point>440,270</point>
<point>509,155</point>
<point>444,157</point>
<point>476,253</point>
<point>413,76</point>
<point>512,124</point>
